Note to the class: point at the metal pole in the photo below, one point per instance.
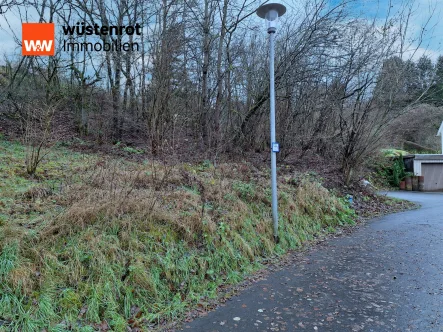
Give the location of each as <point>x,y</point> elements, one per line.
<point>272,121</point>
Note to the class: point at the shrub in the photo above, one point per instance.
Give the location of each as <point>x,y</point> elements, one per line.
<point>392,170</point>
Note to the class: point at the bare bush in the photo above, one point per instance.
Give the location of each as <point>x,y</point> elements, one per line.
<point>37,134</point>
<point>419,126</point>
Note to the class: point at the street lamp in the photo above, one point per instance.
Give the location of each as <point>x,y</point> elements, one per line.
<point>271,12</point>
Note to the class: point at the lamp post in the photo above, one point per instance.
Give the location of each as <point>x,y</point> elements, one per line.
<point>271,12</point>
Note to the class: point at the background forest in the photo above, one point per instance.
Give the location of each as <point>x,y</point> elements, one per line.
<point>198,86</point>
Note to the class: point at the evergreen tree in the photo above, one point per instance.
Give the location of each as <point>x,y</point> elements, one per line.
<point>392,82</point>
<point>425,72</point>
<point>439,82</point>
<point>412,80</point>
<point>439,69</point>
<point>435,93</point>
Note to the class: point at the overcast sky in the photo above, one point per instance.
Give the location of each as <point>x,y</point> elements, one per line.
<point>426,13</point>
<point>10,23</point>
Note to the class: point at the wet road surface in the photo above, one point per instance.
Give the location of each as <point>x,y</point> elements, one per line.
<point>385,276</point>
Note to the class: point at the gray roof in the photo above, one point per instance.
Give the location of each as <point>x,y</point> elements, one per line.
<point>429,157</point>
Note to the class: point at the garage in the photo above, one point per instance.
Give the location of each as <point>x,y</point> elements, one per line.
<point>430,166</point>
<point>433,176</point>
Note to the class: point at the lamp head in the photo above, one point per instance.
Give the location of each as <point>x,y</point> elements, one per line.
<point>271,12</point>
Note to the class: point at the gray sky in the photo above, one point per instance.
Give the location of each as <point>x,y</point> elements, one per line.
<point>10,23</point>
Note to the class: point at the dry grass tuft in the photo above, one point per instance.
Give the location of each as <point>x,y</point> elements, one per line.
<point>37,192</point>
<point>24,277</point>
<point>144,193</point>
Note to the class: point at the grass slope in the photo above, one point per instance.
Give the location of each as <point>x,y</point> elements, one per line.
<point>92,243</point>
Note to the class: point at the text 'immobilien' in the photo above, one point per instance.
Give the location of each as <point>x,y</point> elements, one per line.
<point>107,44</point>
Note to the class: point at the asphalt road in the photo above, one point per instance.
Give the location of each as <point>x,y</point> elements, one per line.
<point>385,276</point>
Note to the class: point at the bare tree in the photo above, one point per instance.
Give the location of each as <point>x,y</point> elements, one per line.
<point>199,79</point>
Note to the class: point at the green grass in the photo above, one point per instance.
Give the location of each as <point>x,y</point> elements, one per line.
<point>394,152</point>
<point>89,242</point>
<point>16,185</point>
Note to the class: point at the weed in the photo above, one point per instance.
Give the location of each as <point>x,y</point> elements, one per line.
<point>246,191</point>
<point>8,260</point>
<point>206,164</point>
<point>133,150</point>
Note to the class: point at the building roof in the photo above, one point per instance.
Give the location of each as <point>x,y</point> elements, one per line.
<point>429,157</point>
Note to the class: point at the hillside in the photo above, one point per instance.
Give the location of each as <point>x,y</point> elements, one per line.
<point>98,242</point>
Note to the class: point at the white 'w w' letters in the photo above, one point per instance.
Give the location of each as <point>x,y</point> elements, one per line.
<point>38,45</point>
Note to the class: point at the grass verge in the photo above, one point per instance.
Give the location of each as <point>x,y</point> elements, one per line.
<point>92,243</point>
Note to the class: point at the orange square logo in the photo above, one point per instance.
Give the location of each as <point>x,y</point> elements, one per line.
<point>38,38</point>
